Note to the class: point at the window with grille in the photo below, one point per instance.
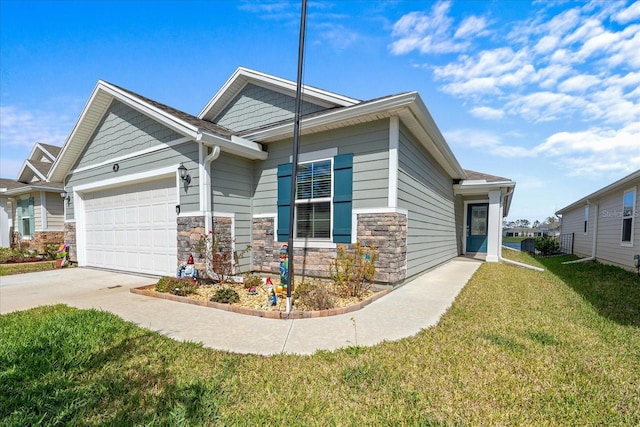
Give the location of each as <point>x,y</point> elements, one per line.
<point>313,200</point>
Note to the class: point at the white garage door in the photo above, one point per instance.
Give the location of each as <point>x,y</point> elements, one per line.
<point>133,228</point>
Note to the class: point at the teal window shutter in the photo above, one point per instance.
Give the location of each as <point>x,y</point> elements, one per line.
<point>342,197</point>
<point>284,203</point>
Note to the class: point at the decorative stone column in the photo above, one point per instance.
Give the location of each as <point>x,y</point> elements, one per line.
<point>190,231</point>
<point>70,240</point>
<point>388,233</point>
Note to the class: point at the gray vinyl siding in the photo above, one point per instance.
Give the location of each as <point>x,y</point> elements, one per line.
<point>257,106</point>
<point>573,222</point>
<point>170,156</point>
<point>232,179</point>
<point>123,131</point>
<point>368,142</point>
<point>55,212</point>
<point>609,249</point>
<point>426,192</point>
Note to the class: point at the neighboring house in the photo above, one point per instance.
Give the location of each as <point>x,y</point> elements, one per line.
<point>604,223</point>
<point>376,171</point>
<point>31,209</point>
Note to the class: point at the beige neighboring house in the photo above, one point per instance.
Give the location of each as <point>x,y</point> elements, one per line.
<point>605,223</point>
<point>31,207</point>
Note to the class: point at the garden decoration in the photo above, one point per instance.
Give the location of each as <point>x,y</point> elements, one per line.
<point>188,269</point>
<point>284,267</point>
<point>272,299</point>
<point>61,256</point>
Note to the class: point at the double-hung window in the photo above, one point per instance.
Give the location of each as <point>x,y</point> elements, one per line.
<point>26,220</point>
<point>313,200</point>
<point>628,213</point>
<point>323,201</point>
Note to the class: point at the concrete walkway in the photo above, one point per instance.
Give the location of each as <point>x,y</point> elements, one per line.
<point>404,312</point>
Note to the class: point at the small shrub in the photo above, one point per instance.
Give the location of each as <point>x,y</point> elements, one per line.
<point>547,245</point>
<point>225,295</point>
<point>175,286</point>
<point>51,251</point>
<point>352,272</point>
<point>252,281</point>
<point>316,296</point>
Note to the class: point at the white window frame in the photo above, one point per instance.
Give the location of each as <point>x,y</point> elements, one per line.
<point>316,200</point>
<point>21,226</point>
<point>631,217</point>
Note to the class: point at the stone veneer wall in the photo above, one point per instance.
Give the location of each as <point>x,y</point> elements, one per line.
<point>190,231</point>
<point>70,240</point>
<point>43,238</point>
<point>386,231</point>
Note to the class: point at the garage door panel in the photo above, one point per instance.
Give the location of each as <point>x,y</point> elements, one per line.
<point>133,227</point>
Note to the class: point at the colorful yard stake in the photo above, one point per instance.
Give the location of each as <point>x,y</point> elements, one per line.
<point>284,266</point>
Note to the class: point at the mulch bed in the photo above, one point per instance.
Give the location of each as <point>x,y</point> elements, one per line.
<point>256,305</point>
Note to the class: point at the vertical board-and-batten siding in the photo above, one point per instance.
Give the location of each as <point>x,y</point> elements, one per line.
<point>123,131</point>
<point>608,245</point>
<point>256,106</point>
<point>426,192</point>
<point>231,181</point>
<point>369,144</point>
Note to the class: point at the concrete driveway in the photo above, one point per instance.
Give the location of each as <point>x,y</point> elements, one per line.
<point>404,312</point>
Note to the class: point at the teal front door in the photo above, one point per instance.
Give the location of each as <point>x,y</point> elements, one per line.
<point>477,215</point>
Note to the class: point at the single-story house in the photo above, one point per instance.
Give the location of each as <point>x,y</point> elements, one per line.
<point>604,223</point>
<point>377,171</point>
<point>31,209</point>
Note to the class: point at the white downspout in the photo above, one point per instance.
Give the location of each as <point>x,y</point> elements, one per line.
<point>595,236</point>
<point>206,186</point>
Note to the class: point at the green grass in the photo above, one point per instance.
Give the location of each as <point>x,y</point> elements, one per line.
<point>518,347</point>
<point>27,267</point>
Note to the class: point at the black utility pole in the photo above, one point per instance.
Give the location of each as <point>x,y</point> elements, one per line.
<point>294,161</point>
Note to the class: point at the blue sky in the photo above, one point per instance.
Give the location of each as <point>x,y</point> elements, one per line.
<point>546,93</point>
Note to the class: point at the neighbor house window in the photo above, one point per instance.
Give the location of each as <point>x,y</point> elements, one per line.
<point>313,200</point>
<point>586,219</point>
<point>26,221</point>
<point>628,212</point>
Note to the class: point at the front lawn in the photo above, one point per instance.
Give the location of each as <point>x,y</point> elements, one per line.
<point>518,347</point>
<point>26,267</point>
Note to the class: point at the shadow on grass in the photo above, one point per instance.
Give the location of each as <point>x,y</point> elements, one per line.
<point>613,291</point>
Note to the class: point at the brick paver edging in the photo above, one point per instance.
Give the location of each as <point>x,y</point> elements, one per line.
<point>148,291</point>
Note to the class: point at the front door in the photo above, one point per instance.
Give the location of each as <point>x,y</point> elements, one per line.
<point>477,225</point>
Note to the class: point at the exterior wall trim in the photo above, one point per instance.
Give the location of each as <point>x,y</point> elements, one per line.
<point>394,144</point>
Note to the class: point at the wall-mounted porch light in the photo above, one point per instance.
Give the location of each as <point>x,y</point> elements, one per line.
<point>66,196</point>
<point>183,173</point>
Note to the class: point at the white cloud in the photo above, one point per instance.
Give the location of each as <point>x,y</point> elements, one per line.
<point>578,83</point>
<point>337,35</point>
<point>544,106</point>
<point>485,141</point>
<point>19,128</point>
<point>430,33</point>
<point>487,113</point>
<point>628,14</point>
<point>472,26</point>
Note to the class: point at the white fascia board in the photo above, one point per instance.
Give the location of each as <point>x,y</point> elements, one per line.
<point>246,75</point>
<point>32,188</point>
<point>623,181</point>
<point>332,117</point>
<point>46,152</point>
<point>35,170</point>
<point>238,146</point>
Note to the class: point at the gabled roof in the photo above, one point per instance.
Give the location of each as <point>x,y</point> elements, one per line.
<point>243,76</point>
<point>616,185</point>
<point>34,167</point>
<point>185,124</point>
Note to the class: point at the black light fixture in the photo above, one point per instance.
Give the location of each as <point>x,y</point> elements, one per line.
<point>65,196</point>
<point>183,173</point>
